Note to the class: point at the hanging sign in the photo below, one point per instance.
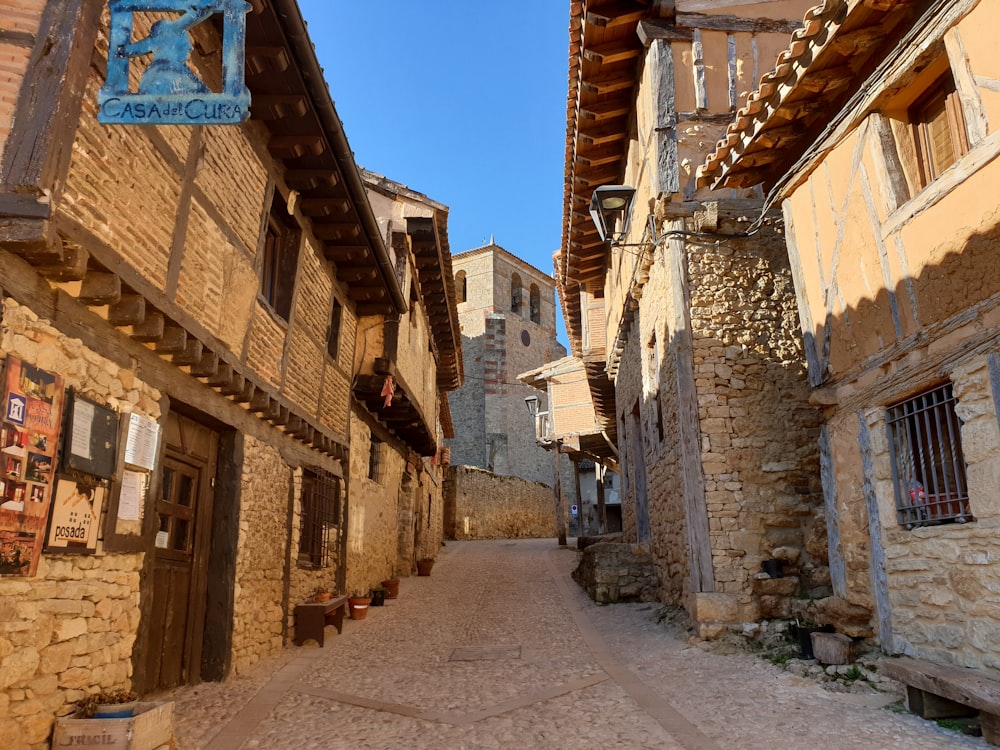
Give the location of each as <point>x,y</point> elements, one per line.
<point>29,436</point>
<point>169,89</point>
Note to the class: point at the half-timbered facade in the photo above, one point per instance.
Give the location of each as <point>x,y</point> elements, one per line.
<point>877,133</point>
<point>405,366</point>
<point>685,323</point>
<point>197,291</point>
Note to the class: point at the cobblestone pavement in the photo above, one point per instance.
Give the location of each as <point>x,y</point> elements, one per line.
<point>498,648</point>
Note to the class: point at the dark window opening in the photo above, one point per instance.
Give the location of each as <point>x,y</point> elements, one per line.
<point>281,256</point>
<point>463,287</point>
<point>375,460</point>
<point>333,334</point>
<point>535,304</point>
<point>515,293</point>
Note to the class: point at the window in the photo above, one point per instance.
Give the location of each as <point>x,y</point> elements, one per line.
<point>333,334</point>
<point>281,255</point>
<point>320,520</point>
<point>461,287</point>
<point>928,468</point>
<point>939,134</point>
<point>515,293</point>
<point>375,460</point>
<point>535,304</point>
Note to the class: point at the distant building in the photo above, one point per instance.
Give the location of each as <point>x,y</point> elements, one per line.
<point>507,311</point>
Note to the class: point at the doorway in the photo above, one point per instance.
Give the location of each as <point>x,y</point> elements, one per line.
<point>183,514</point>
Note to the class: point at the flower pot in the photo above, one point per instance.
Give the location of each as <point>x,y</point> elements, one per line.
<point>358,606</point>
<point>424,567</point>
<point>391,588</point>
<point>378,597</point>
<point>115,710</point>
<point>324,597</point>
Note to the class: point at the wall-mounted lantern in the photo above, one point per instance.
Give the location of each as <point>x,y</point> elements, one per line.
<point>609,205</point>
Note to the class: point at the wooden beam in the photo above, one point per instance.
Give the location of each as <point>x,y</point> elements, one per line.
<point>222,376</point>
<point>173,340</point>
<point>130,310</point>
<point>72,266</point>
<point>615,14</point>
<point>336,231</point>
<point>296,146</point>
<point>207,366</point>
<point>608,83</point>
<point>607,54</point>
<point>99,289</point>
<point>737,23</point>
<point>310,179</point>
<point>279,106</point>
<point>191,355</point>
<point>650,30</point>
<point>150,329</point>
<point>324,206</point>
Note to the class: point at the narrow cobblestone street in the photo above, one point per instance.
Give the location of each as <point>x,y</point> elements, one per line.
<point>500,649</point>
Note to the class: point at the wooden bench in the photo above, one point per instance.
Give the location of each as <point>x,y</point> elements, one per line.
<point>311,618</point>
<point>937,691</point>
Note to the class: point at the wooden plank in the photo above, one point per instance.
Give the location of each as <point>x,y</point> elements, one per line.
<point>879,576</point>
<point>960,684</point>
<point>650,30</point>
<point>736,23</point>
<point>828,481</point>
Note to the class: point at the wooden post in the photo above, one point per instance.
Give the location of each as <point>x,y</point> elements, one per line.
<point>602,513</point>
<point>579,498</point>
<point>560,509</point>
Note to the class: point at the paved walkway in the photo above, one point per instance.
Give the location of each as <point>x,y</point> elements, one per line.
<point>500,649</point>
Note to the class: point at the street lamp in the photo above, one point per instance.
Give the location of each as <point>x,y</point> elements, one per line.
<point>532,403</point>
<point>608,204</point>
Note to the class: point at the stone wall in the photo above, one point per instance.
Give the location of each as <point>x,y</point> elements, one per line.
<point>488,506</point>
<point>735,446</point>
<point>262,556</point>
<point>615,572</point>
<point>69,631</point>
<point>372,533</point>
<point>760,456</point>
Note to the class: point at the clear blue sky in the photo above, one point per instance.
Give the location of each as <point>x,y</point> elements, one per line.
<point>462,100</point>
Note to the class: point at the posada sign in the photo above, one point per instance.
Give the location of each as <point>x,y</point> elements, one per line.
<point>157,46</point>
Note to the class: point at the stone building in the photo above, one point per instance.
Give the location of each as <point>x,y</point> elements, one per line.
<point>189,296</point>
<point>507,311</point>
<point>396,475</point>
<point>891,227</point>
<point>682,311</point>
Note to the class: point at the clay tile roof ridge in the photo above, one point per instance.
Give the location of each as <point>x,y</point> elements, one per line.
<point>751,118</point>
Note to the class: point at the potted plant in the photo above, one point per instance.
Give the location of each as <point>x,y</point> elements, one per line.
<point>378,596</point>
<point>391,587</point>
<point>108,704</point>
<point>424,566</point>
<point>322,594</point>
<point>358,605</point>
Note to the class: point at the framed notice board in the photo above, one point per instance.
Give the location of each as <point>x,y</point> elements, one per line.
<point>91,443</point>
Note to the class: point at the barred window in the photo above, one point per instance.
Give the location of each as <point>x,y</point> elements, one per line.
<point>928,467</point>
<point>375,459</point>
<point>320,520</point>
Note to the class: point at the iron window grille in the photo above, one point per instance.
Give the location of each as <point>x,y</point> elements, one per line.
<point>375,459</point>
<point>928,466</point>
<point>319,529</point>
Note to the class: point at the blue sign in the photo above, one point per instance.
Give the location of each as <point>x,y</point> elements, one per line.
<point>17,406</point>
<point>169,90</point>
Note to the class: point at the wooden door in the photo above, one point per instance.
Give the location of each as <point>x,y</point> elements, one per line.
<point>183,512</point>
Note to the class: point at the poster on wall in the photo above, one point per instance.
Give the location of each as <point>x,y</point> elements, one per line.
<point>76,509</point>
<point>29,435</point>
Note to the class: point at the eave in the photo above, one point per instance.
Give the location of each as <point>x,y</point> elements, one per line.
<point>402,417</point>
<point>840,44</point>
